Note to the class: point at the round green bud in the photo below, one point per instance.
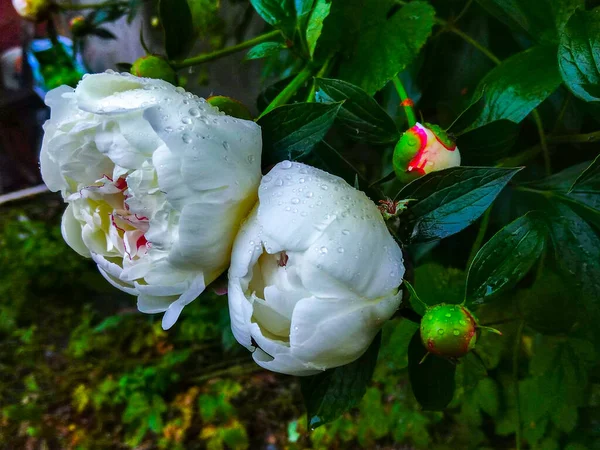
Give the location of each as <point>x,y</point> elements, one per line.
<point>78,25</point>
<point>151,66</point>
<point>230,106</point>
<point>449,330</point>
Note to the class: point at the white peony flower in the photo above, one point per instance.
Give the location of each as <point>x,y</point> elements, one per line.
<point>34,10</point>
<point>314,272</point>
<point>157,182</point>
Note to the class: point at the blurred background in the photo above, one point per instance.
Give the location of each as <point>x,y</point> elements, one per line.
<point>80,368</point>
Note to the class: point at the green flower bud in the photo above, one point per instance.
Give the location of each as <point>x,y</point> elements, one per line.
<point>77,25</point>
<point>230,106</point>
<point>151,66</point>
<point>423,149</point>
<point>449,330</point>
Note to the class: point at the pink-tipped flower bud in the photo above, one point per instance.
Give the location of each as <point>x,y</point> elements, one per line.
<point>423,149</point>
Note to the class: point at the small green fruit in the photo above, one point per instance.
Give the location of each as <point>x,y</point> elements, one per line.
<point>449,330</point>
<point>151,66</point>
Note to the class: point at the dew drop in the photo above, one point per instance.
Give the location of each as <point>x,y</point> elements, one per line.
<point>440,331</point>
<point>324,187</point>
<point>194,112</point>
<point>456,332</point>
<point>309,195</point>
<point>286,164</point>
<point>168,129</point>
<point>250,159</point>
<point>340,249</point>
<point>295,201</point>
<point>186,138</point>
<point>186,120</point>
<point>323,250</point>
<point>346,232</point>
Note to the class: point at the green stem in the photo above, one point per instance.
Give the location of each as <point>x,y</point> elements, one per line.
<point>515,374</point>
<point>543,144</point>
<point>463,12</point>
<point>408,109</point>
<point>471,41</point>
<point>575,138</point>
<point>289,90</point>
<point>79,7</point>
<point>205,57</point>
<point>320,73</point>
<point>485,222</point>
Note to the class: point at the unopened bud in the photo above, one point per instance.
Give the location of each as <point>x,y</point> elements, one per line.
<point>423,149</point>
<point>151,66</point>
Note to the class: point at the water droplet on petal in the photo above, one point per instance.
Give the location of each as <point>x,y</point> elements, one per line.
<point>286,164</point>
<point>194,112</point>
<point>295,201</point>
<point>186,138</point>
<point>187,120</point>
<point>346,232</point>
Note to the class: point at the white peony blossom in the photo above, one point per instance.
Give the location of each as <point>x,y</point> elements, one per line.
<point>157,183</point>
<point>314,272</point>
<point>34,10</point>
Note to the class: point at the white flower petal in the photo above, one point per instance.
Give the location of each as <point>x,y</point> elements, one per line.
<point>71,232</point>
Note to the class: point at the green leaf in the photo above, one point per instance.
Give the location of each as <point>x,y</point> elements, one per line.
<point>449,200</point>
<point>291,131</point>
<point>176,19</point>
<point>280,14</point>
<point>264,49</point>
<point>582,196</point>
<point>360,114</point>
<point>589,178</point>
<point>579,55</point>
<point>576,250</point>
<point>379,41</point>
<point>518,85</point>
<point>506,258</point>
<point>542,19</point>
<point>437,284</point>
<point>432,380</point>
<point>328,395</point>
<point>315,24</point>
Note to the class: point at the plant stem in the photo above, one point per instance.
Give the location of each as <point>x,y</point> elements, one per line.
<point>575,138</point>
<point>540,127</point>
<point>485,222</point>
<point>515,374</point>
<point>471,41</point>
<point>79,7</point>
<point>205,57</point>
<point>406,102</point>
<point>289,90</point>
<point>320,73</point>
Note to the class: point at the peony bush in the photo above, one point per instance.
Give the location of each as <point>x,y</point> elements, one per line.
<point>341,214</point>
